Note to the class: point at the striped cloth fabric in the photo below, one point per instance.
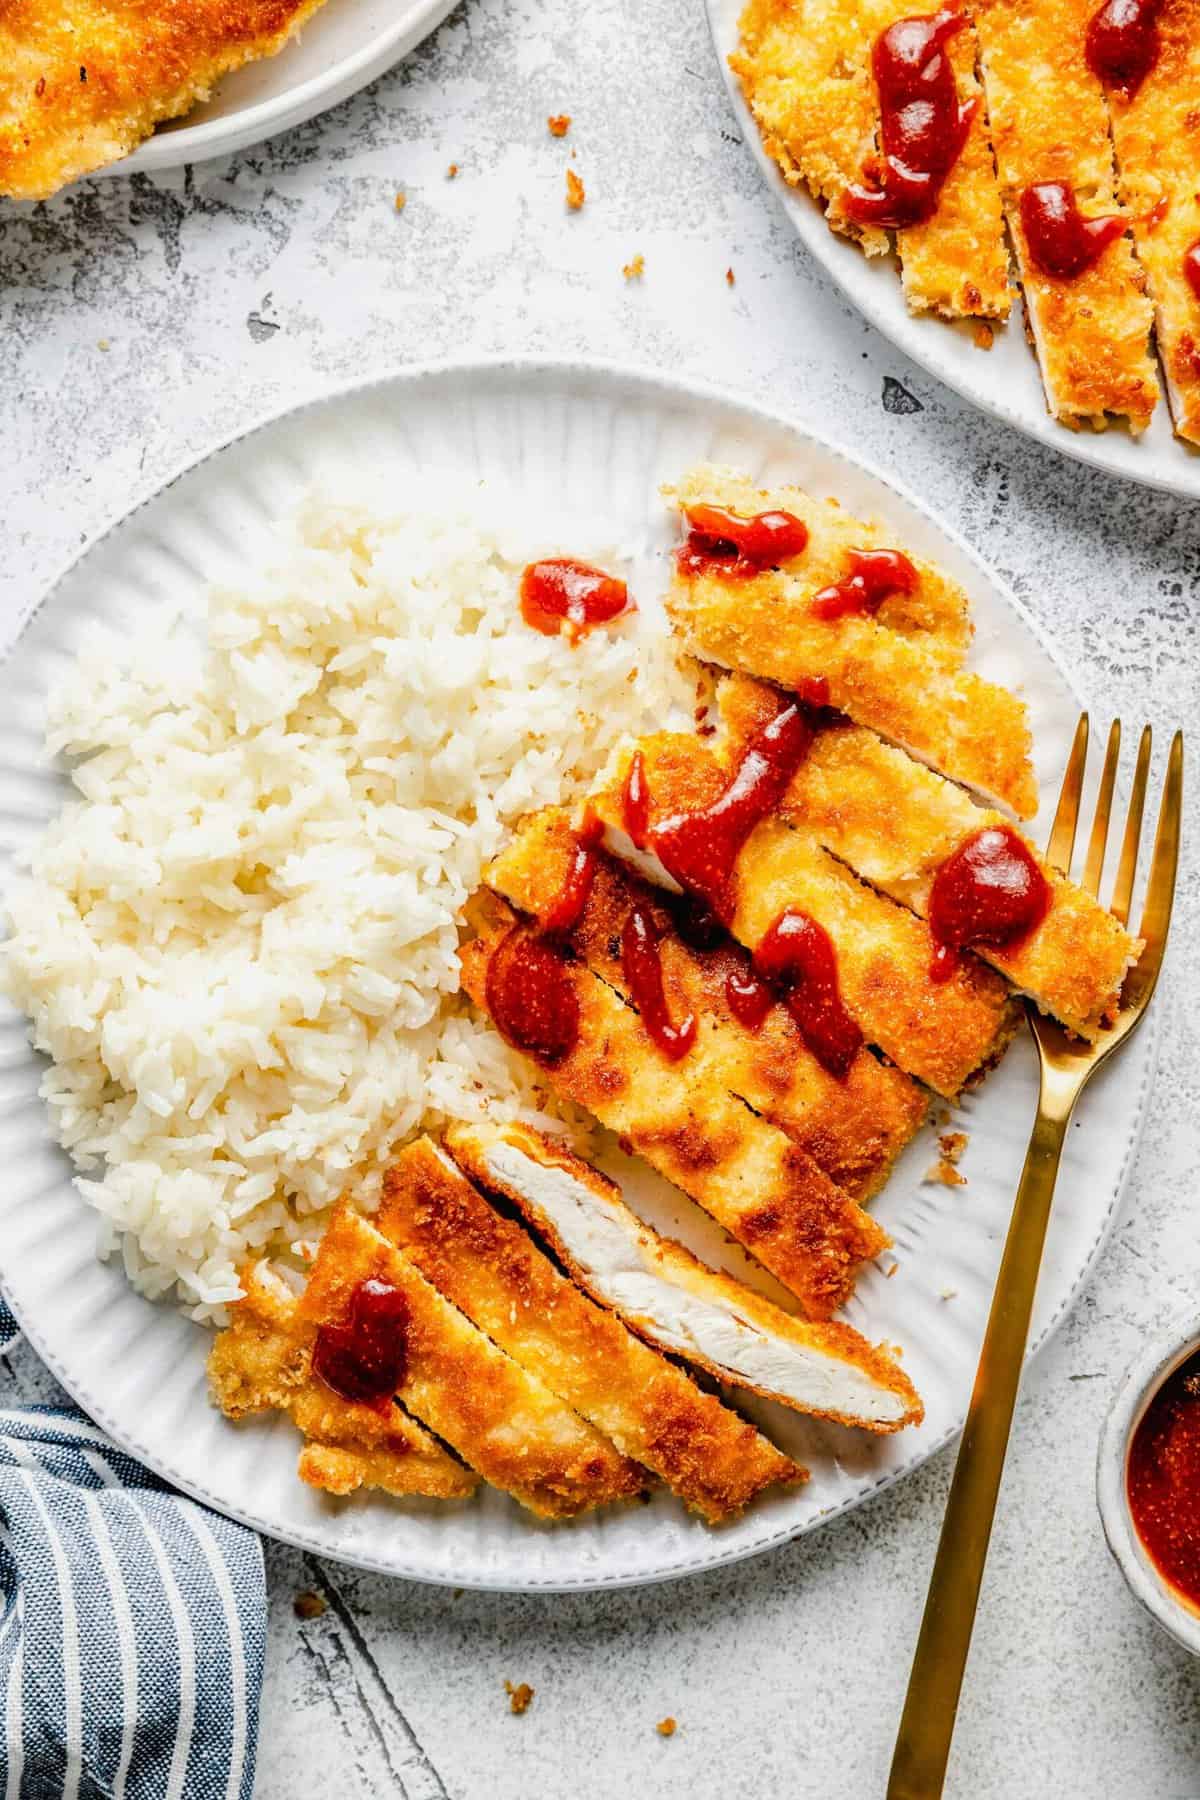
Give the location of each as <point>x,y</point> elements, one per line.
<point>132,1623</point>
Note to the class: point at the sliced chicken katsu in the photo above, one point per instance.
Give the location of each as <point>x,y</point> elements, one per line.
<point>1156,131</point>
<point>746,1173</point>
<point>499,1418</point>
<point>941,1033</point>
<point>898,824</point>
<point>817,623</point>
<point>81,85</point>
<point>263,1362</point>
<point>853,1126</point>
<point>806,69</point>
<point>490,1268</point>
<point>1085,299</point>
<point>674,1300</point>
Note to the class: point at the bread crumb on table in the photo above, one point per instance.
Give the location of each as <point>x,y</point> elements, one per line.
<point>730,278</point>
<point>559,124</point>
<point>635,269</point>
<point>576,193</point>
<point>666,1727</point>
<point>451,172</point>
<point>401,200</point>
<point>308,1605</point>
<point>519,1697</point>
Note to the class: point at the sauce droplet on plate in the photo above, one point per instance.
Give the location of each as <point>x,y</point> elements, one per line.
<point>923,125</point>
<point>1163,1480</point>
<point>1191,267</point>
<point>1122,43</point>
<point>561,592</point>
<point>366,1358</point>
<point>699,849</point>
<point>797,956</point>
<point>874,574</point>
<point>531,996</point>
<point>734,545</point>
<point>641,964</point>
<point>1061,241</point>
<point>989,891</point>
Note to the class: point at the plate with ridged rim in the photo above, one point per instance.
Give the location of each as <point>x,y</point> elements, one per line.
<point>601,440</point>
<point>339,50</point>
<point>1002,380</point>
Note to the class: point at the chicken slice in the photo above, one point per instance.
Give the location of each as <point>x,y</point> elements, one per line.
<point>501,1420</point>
<point>853,1127</point>
<point>676,1301</point>
<point>746,1173</point>
<point>491,1269</point>
<point>262,1362</point>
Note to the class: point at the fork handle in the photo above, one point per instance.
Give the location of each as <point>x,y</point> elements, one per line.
<point>927,1725</point>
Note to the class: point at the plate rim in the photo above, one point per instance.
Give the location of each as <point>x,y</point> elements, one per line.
<point>904,330</point>
<point>284,111</point>
<point>605,371</point>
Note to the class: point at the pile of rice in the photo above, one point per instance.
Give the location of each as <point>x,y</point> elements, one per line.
<point>238,945</point>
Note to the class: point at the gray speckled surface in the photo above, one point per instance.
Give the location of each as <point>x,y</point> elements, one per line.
<point>236,286</point>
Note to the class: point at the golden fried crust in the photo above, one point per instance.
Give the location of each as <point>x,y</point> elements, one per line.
<point>1049,123</point>
<point>852,1128</point>
<point>676,1268</point>
<point>489,1267</point>
<point>1072,965</point>
<point>936,615</point>
<point>81,85</point>
<point>972,730</point>
<point>1157,139</point>
<point>262,1362</point>
<point>499,1418</point>
<point>939,1033</point>
<point>746,1173</point>
<point>805,69</point>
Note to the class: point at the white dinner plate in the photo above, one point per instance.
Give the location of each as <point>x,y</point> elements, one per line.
<point>1003,380</point>
<point>594,441</point>
<point>340,49</point>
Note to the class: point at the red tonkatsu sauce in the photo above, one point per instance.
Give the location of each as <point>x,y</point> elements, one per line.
<point>874,574</point>
<point>1191,267</point>
<point>923,124</point>
<point>568,904</point>
<point>1122,43</point>
<point>366,1358</point>
<point>989,891</point>
<point>798,957</point>
<point>749,998</point>
<point>641,964</point>
<point>1163,1480</point>
<point>699,849</point>
<point>733,545</point>
<point>1061,241</point>
<point>531,996</point>
<point>561,592</point>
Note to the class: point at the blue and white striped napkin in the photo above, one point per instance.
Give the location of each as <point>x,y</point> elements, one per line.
<point>132,1623</point>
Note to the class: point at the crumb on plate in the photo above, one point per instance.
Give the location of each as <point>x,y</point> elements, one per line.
<point>944,1172</point>
<point>635,269</point>
<point>984,334</point>
<point>519,1697</point>
<point>953,1144</point>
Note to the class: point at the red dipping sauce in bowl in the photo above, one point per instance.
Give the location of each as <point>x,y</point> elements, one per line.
<point>1162,1480</point>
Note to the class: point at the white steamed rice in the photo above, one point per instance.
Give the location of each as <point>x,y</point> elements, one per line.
<point>238,944</point>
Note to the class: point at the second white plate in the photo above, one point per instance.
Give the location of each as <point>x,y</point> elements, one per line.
<point>594,442</point>
<point>1004,380</point>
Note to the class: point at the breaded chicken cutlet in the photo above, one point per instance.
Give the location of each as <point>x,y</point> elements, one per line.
<point>500,1419</point>
<point>262,1362</point>
<point>489,1267</point>
<point>853,1126</point>
<point>766,621</point>
<point>746,1173</point>
<point>675,1301</point>
<point>805,69</point>
<point>81,86</point>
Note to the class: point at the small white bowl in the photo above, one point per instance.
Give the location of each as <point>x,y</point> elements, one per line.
<point>1156,1362</point>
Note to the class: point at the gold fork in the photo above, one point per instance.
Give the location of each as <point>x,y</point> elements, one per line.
<point>927,1725</point>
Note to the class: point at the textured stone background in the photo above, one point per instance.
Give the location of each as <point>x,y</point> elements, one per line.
<point>139,320</point>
